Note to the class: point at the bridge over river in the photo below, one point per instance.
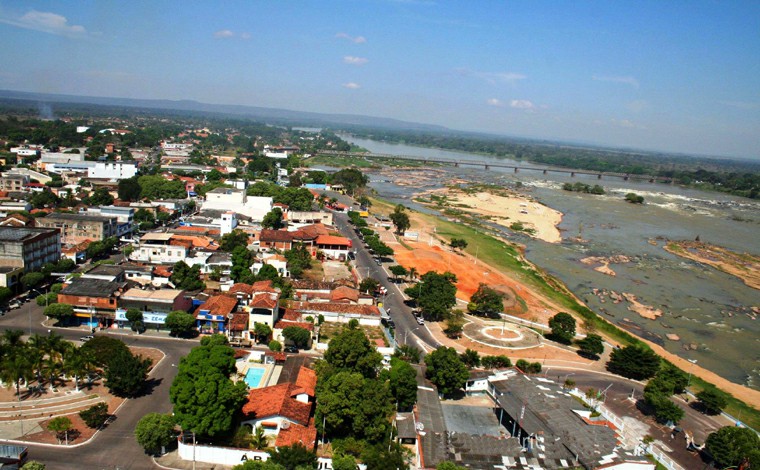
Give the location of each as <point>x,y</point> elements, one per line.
<point>489,165</point>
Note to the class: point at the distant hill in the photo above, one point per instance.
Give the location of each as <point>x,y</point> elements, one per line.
<point>274,115</point>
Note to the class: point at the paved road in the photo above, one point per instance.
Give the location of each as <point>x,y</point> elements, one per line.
<point>114,447</point>
<point>407,329</point>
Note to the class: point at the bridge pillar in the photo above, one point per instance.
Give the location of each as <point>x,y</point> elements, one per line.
<point>517,169</point>
<point>544,171</point>
<point>625,177</point>
<point>599,176</point>
<point>456,164</point>
<point>651,180</point>
<point>487,167</point>
<point>572,173</point>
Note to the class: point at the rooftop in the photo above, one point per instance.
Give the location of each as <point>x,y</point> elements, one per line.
<point>334,307</point>
<point>156,236</point>
<point>217,305</point>
<point>18,234</point>
<point>105,270</point>
<point>333,240</point>
<point>78,217</point>
<point>158,295</point>
<point>278,400</point>
<point>92,287</point>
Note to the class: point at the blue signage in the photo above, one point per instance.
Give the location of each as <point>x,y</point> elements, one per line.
<point>148,317</point>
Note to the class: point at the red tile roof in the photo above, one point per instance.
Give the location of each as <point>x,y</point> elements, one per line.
<point>273,236</point>
<point>241,288</point>
<point>278,400</point>
<point>295,434</point>
<point>310,232</point>
<point>282,324</point>
<point>333,240</point>
<point>217,305</point>
<point>290,315</point>
<point>78,248</point>
<point>333,307</point>
<point>344,293</point>
<point>263,286</point>
<point>239,322</point>
<point>307,379</point>
<point>277,355</point>
<point>162,271</point>
<point>264,300</point>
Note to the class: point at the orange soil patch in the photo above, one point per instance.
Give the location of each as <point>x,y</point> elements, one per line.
<point>496,332</point>
<point>470,274</point>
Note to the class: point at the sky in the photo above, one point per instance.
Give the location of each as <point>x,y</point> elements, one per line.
<point>676,76</point>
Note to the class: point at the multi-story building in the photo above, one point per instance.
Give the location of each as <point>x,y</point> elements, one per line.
<point>29,248</point>
<point>124,216</point>
<point>231,199</point>
<point>156,248</point>
<point>155,305</point>
<point>112,170</point>
<point>76,228</point>
<point>94,300</point>
<point>13,183</point>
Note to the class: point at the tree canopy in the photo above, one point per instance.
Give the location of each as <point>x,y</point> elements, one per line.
<point>352,351</point>
<point>634,362</point>
<point>155,431</point>
<point>592,345</point>
<point>204,397</point>
<point>563,327</point>
<point>403,383</point>
<point>446,370</point>
<point>126,374</point>
<point>180,323</point>
<point>186,277</point>
<point>730,446</point>
<point>486,302</point>
<point>435,294</point>
<point>400,219</point>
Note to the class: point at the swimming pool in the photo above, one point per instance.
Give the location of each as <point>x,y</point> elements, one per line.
<point>253,376</point>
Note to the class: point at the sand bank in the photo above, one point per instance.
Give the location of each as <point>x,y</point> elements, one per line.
<point>742,265</point>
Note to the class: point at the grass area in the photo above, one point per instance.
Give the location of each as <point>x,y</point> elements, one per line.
<point>329,330</point>
<point>736,408</point>
<point>340,161</point>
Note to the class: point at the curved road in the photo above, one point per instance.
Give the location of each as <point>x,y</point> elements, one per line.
<point>115,446</point>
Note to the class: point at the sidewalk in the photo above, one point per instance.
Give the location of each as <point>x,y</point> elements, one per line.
<point>171,460</point>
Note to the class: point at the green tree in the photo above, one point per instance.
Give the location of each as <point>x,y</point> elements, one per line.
<point>299,260</point>
<point>275,346</point>
<point>591,346</point>
<point>408,353</point>
<point>352,351</point>
<point>205,398</point>
<point>436,294</point>
<point>294,457</point>
<point>454,324</point>
<point>186,277</point>
<point>350,178</point>
<point>403,383</point>
<point>155,431</point>
<point>268,273</point>
<point>664,410</point>
<point>103,349</point>
<point>730,446</point>
<point>634,362</point>
<point>60,311</point>
<point>95,415</point>
<point>129,189</point>
<point>400,219</point>
<point>259,439</point>
<point>486,302</point>
<point>384,457</point>
<point>495,362</point>
<point>458,243</point>
<point>446,370</point>
<point>101,197</point>
<point>273,219</point>
<point>262,331</point>
<point>398,271</point>
<point>299,336</point>
<point>712,401</point>
<point>233,240</point>
<point>563,327</point>
<point>180,323</point>
<point>634,198</point>
<point>448,466</point>
<point>126,373</point>
<point>33,465</point>
<point>343,462</point>
<point>471,358</point>
<point>30,280</point>
<point>5,294</point>
<point>369,285</point>
<point>61,426</point>
<point>258,465</point>
<point>135,318</point>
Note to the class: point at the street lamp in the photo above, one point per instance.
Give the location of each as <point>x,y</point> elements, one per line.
<point>406,334</point>
<point>568,375</point>
<point>29,309</point>
<point>691,369</point>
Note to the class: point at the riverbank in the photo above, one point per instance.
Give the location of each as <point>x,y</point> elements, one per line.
<point>502,207</point>
<point>542,294</point>
<point>745,266</point>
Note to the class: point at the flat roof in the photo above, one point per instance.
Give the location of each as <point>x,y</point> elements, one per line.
<point>82,217</point>
<point>17,234</point>
<point>156,236</point>
<point>161,294</point>
<point>105,270</point>
<point>88,287</point>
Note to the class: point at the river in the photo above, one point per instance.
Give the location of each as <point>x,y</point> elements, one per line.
<point>707,309</point>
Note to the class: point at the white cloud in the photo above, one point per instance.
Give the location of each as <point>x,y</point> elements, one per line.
<point>492,77</point>
<point>495,102</point>
<point>351,86</point>
<point>245,35</point>
<point>355,60</point>
<point>354,39</point>
<point>224,33</point>
<point>637,106</point>
<point>624,80</point>
<point>47,22</point>
<point>521,104</point>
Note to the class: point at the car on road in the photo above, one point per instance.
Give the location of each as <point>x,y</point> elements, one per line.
<point>291,349</point>
<point>379,263</point>
<point>420,321</point>
<point>84,339</point>
<point>13,305</point>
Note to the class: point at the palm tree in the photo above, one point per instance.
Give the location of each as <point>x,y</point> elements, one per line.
<point>16,367</point>
<point>52,367</point>
<point>412,273</point>
<point>12,338</point>
<point>77,363</point>
<point>259,440</point>
<point>37,348</point>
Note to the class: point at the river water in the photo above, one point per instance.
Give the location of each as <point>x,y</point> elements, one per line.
<point>707,309</point>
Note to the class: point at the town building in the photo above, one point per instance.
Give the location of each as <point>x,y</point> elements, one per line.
<point>299,218</point>
<point>112,170</point>
<point>156,248</point>
<point>155,305</point>
<point>13,183</point>
<point>29,248</point>
<point>211,317</point>
<point>94,300</point>
<point>236,200</point>
<point>334,247</point>
<point>77,228</point>
<point>124,217</point>
<point>105,272</point>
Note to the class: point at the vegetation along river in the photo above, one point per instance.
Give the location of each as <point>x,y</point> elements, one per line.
<point>707,314</point>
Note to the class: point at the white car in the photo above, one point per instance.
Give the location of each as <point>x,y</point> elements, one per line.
<point>84,339</point>
<point>420,321</point>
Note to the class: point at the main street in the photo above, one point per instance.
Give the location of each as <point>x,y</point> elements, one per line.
<point>407,329</point>
<point>115,446</point>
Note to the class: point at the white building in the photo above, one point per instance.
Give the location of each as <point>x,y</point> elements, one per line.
<point>154,248</point>
<point>231,199</point>
<point>112,170</point>
<point>124,216</point>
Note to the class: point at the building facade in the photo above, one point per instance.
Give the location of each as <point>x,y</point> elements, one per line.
<point>29,248</point>
<point>112,170</point>
<point>76,228</point>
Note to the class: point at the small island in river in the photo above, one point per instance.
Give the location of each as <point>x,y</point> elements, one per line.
<point>742,265</point>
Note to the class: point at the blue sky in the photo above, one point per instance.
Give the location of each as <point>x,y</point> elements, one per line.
<point>673,76</point>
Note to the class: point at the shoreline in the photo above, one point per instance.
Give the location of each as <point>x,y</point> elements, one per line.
<point>744,266</point>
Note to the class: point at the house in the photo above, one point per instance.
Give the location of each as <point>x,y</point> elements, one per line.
<point>17,220</point>
<point>275,240</point>
<point>334,247</point>
<point>155,305</point>
<point>14,183</point>
<point>140,274</point>
<point>77,253</point>
<point>277,261</point>
<point>280,326</point>
<point>94,300</point>
<point>105,272</point>
<point>285,410</point>
<point>29,248</point>
<point>337,312</point>
<point>264,306</point>
<point>156,248</point>
<point>236,200</point>
<point>300,218</point>
<point>10,277</point>
<point>211,316</point>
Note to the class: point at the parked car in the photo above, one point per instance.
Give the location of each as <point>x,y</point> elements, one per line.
<point>84,339</point>
<point>420,320</point>
<point>291,349</point>
<point>13,305</point>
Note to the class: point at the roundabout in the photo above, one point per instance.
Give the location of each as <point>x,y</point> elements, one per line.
<point>501,335</point>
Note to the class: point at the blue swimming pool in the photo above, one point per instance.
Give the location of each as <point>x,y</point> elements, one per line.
<point>253,376</point>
